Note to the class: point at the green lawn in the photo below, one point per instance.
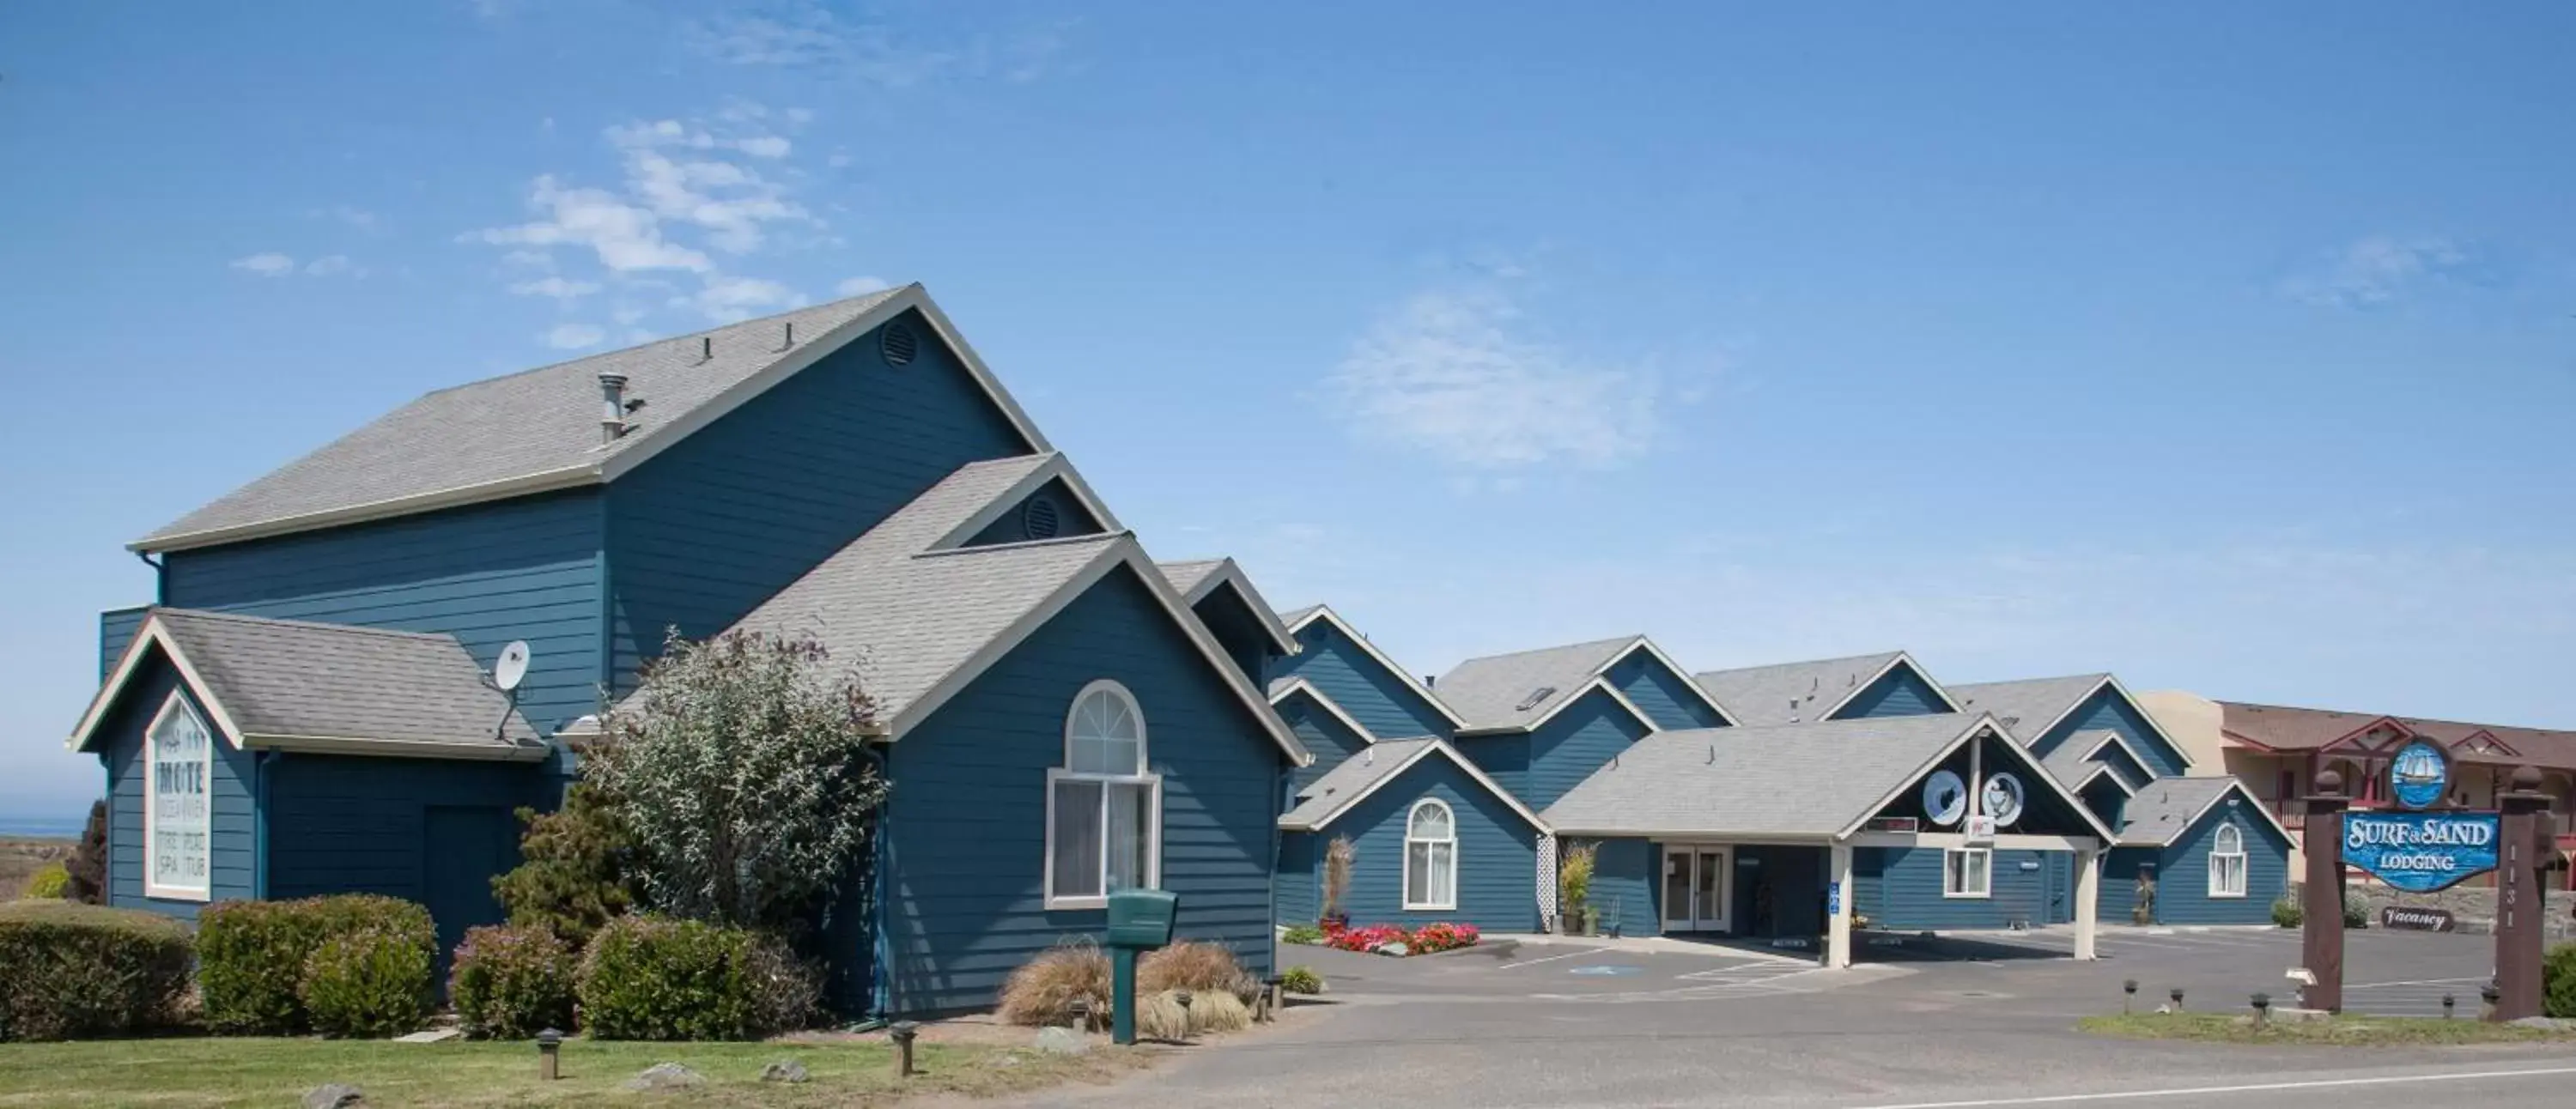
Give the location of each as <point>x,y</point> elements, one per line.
<point>2344,1030</point>
<point>270,1072</point>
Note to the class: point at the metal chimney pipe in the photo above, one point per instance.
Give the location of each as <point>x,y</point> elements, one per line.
<point>612,411</point>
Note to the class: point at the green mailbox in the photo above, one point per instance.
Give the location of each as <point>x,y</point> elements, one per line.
<point>1139,920</point>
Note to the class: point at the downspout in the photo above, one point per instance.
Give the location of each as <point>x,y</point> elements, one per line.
<point>265,766</point>
<point>880,952</point>
<point>160,577</point>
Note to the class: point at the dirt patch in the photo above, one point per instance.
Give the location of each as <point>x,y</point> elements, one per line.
<point>21,858</point>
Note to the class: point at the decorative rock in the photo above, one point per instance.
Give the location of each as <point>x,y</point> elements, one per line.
<point>334,1096</point>
<point>2288,1015</point>
<point>431,1036</point>
<point>2545,1024</point>
<point>1063,1041</point>
<point>1396,949</point>
<point>664,1076</point>
<point>784,1070</point>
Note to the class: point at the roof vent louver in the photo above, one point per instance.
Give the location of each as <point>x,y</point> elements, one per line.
<point>898,344</point>
<point>1039,518</point>
<point>1537,697</point>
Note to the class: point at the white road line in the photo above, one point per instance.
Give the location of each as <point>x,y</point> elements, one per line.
<point>2250,1088</point>
<point>2417,982</point>
<point>1553,958</point>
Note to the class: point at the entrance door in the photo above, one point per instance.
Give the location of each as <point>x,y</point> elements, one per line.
<point>1695,888</point>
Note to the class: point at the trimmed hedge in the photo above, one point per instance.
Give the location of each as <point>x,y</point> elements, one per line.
<point>2558,982</point>
<point>653,978</point>
<point>252,956</point>
<point>512,982</point>
<point>374,981</point>
<point>68,969</point>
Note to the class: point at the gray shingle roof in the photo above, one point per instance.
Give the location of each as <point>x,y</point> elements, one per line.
<point>2166,807</point>
<point>1292,616</point>
<point>2072,762</point>
<point>907,616</point>
<point>516,427</point>
<point>290,678</point>
<point>2027,707</point>
<point>1791,692</point>
<point>1353,777</point>
<point>1186,576</point>
<point>1504,691</point>
<point>1757,780</point>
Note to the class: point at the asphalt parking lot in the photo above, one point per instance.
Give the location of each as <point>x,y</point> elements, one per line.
<point>1985,1020</point>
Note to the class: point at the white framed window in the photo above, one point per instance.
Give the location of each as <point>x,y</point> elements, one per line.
<point>1104,818</point>
<point>1967,872</point>
<point>2227,862</point>
<point>178,806</point>
<point>1430,856</point>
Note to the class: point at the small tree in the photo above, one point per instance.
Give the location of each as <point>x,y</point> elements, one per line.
<point>1339,855</point>
<point>1574,880</point>
<point>577,868</point>
<point>742,772</point>
<point>86,870</point>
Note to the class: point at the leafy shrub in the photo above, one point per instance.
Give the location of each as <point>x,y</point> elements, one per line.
<point>2288,912</point>
<point>87,868</point>
<point>251,955</point>
<point>371,981</point>
<point>49,883</point>
<point>2356,912</point>
<point>1044,989</point>
<point>511,982</point>
<point>654,978</point>
<point>1574,879</point>
<point>1196,966</point>
<point>1301,980</point>
<point>2558,982</point>
<point>68,969</point>
<point>576,868</point>
<point>1302,934</point>
<point>1442,936</point>
<point>741,768</point>
<point>1366,939</point>
<point>1160,1016</point>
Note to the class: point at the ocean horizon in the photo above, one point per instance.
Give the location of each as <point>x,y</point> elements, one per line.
<point>68,827</point>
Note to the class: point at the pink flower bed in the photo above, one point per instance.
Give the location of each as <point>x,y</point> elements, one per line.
<point>1440,936</point>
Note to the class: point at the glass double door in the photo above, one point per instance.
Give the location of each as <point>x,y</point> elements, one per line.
<point>1697,883</point>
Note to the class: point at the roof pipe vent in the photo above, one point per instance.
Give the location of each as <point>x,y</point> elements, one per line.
<point>612,410</point>
<point>706,349</point>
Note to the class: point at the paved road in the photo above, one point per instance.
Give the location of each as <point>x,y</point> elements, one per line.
<point>1940,1022</point>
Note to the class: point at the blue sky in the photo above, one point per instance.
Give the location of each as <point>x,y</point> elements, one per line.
<point>2227,350</point>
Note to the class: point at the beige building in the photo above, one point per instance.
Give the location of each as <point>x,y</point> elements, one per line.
<point>2277,752</point>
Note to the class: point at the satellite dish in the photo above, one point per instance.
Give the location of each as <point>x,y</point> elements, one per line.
<point>512,667</point>
<point>2004,799</point>
<point>1945,798</point>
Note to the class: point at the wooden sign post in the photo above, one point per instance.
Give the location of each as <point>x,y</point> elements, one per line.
<point>2321,924</point>
<point>2518,904</point>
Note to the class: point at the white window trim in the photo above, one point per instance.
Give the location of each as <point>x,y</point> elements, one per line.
<point>2244,877</point>
<point>1967,894</point>
<point>1450,905</point>
<point>178,703</point>
<point>1153,782</point>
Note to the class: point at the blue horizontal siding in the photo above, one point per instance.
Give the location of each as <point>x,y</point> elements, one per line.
<point>1504,758</point>
<point>1578,740</point>
<point>2129,770</point>
<point>1299,876</point>
<point>233,825</point>
<point>116,628</point>
<point>1626,885</point>
<point>1901,888</point>
<point>1240,631</point>
<point>2120,868</point>
<point>1011,525</point>
<point>2106,710</point>
<point>1899,692</point>
<point>1381,701</point>
<point>1497,852</point>
<point>967,839</point>
<point>721,521</point>
<point>1662,695</point>
<point>2182,890</point>
<point>488,574</point>
<point>1790,879</point>
<point>432,832</point>
<point>1323,733</point>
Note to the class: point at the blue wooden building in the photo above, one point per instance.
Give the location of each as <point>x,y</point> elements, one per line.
<point>302,711</point>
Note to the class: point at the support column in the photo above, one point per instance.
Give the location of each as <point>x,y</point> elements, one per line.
<point>2321,933</point>
<point>1838,924</point>
<point>2088,900</point>
<point>2522,843</point>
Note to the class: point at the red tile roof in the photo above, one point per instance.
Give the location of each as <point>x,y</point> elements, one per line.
<point>2283,728</point>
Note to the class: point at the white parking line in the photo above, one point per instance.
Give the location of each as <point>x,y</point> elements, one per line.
<point>1551,958</point>
<point>2249,1088</point>
<point>2417,982</point>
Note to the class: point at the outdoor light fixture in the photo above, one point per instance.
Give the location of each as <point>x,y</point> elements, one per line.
<point>903,1031</point>
<point>2489,994</point>
<point>1276,986</point>
<point>2262,1009</point>
<point>1081,1009</point>
<point>549,1053</point>
<point>1183,996</point>
<point>2449,1003</point>
<point>2128,993</point>
<point>2177,999</point>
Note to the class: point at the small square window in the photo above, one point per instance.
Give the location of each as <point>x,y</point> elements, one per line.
<point>1967,872</point>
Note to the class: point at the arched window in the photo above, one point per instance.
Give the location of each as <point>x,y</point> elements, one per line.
<point>1104,810</point>
<point>1430,857</point>
<point>2227,862</point>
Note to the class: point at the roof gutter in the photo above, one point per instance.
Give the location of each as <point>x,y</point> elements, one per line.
<point>401,748</point>
<point>546,481</point>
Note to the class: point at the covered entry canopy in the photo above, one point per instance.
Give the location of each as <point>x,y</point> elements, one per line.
<point>1891,784</point>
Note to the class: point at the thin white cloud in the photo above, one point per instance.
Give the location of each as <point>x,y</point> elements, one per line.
<point>269,264</point>
<point>804,34</point>
<point>1454,374</point>
<point>356,217</point>
<point>732,299</point>
<point>861,286</point>
<point>2378,270</point>
<point>557,287</point>
<point>333,265</point>
<point>624,236</point>
<point>573,336</point>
